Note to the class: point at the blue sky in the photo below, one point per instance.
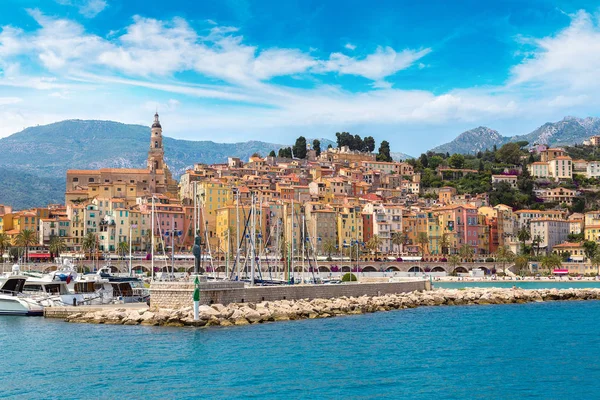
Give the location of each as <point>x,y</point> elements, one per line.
<point>414,73</point>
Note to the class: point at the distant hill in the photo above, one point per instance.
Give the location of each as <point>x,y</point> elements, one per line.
<point>397,156</point>
<point>33,162</point>
<point>50,150</point>
<point>568,131</point>
<point>25,190</point>
<point>472,141</point>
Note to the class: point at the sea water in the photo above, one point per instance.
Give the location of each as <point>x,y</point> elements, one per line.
<point>514,351</point>
<point>520,284</point>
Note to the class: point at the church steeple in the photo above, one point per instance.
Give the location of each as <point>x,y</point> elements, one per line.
<point>156,153</point>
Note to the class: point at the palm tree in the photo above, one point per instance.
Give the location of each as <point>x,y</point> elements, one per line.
<point>523,235</point>
<point>466,252</point>
<point>504,255</point>
<point>535,245</point>
<point>423,242</point>
<point>374,243</point>
<point>454,261</point>
<point>329,248</point>
<point>57,245</point>
<point>122,248</point>
<point>595,261</point>
<point>26,238</point>
<point>551,261</point>
<point>89,243</point>
<point>398,239</point>
<point>521,264</point>
<point>147,237</point>
<point>444,243</point>
<point>5,244</point>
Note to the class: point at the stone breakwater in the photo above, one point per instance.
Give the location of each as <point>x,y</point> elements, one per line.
<point>285,310</point>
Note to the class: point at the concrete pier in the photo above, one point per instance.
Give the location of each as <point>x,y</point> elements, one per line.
<point>67,311</point>
<point>174,295</point>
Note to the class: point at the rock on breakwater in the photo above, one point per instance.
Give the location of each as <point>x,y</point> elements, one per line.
<point>285,310</point>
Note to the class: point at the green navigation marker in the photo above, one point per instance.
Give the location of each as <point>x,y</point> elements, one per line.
<point>197,289</point>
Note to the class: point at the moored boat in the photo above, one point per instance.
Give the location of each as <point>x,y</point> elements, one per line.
<point>12,299</point>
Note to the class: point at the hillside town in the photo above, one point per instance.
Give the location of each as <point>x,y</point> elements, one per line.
<point>528,206</point>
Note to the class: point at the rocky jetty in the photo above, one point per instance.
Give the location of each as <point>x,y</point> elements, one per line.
<point>285,310</point>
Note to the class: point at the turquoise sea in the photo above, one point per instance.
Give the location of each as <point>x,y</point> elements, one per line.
<point>540,350</point>
<point>520,284</point>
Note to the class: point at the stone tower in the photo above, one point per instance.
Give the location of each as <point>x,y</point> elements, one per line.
<point>156,154</point>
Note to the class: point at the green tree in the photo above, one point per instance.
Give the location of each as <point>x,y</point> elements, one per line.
<point>444,243</point>
<point>384,152</point>
<point>374,244</point>
<point>329,247</point>
<point>26,238</point>
<point>523,235</point>
<point>435,161</point>
<point>285,152</point>
<point>521,264</point>
<point>504,256</point>
<point>317,146</point>
<point>56,246</point>
<point>551,262</point>
<point>299,149</point>
<point>466,252</point>
<point>590,248</point>
<point>454,261</point>
<point>123,249</point>
<point>90,243</point>
<point>456,161</point>
<point>5,244</point>
<point>423,241</point>
<point>349,277</point>
<point>595,262</point>
<point>272,154</point>
<point>398,240</point>
<point>369,143</point>
<point>510,153</point>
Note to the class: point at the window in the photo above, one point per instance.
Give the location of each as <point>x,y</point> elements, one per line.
<point>75,179</point>
<point>91,180</point>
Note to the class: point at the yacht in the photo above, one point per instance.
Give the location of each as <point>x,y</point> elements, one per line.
<point>12,299</point>
<point>125,289</point>
<point>52,290</point>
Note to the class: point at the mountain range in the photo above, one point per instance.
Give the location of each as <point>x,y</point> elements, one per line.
<point>33,162</point>
<point>568,131</point>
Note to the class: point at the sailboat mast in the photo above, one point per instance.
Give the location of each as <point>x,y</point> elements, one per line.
<point>253,251</point>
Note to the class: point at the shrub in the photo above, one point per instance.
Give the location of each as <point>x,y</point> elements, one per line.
<point>489,259</point>
<point>348,277</point>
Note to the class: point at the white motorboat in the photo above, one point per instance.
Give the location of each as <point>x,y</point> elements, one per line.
<point>12,299</point>
<point>52,290</point>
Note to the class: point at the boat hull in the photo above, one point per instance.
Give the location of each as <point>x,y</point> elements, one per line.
<point>13,305</point>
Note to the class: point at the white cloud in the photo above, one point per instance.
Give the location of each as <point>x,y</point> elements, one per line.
<point>350,46</point>
<point>87,8</point>
<point>569,60</point>
<point>9,100</point>
<point>383,63</point>
<point>236,94</point>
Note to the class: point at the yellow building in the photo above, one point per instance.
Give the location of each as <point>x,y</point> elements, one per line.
<point>592,226</point>
<point>227,226</point>
<point>349,226</point>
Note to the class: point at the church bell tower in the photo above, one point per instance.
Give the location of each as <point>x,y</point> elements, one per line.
<point>156,154</point>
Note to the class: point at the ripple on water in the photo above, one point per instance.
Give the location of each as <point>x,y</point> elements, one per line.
<point>538,350</point>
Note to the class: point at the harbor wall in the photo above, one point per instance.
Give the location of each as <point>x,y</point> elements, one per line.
<point>175,295</point>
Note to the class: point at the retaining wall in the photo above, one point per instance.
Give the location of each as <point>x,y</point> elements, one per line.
<point>179,294</point>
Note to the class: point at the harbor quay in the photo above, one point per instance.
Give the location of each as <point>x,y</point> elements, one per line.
<point>222,269</point>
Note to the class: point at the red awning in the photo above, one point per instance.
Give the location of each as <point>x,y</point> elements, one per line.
<point>39,255</point>
<point>560,271</point>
